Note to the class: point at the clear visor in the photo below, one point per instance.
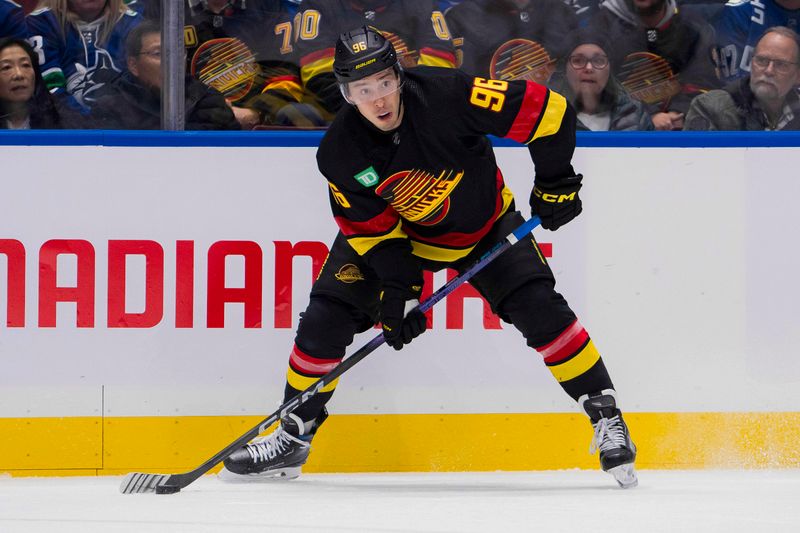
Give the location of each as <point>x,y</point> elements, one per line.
<point>372,87</point>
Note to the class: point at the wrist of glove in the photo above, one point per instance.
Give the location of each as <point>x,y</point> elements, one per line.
<point>401,323</point>
<point>556,203</point>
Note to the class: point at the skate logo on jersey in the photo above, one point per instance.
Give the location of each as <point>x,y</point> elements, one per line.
<point>349,273</point>
<point>419,196</point>
<point>367,177</point>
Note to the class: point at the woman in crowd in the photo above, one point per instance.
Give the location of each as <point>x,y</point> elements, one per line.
<point>586,81</point>
<point>25,102</point>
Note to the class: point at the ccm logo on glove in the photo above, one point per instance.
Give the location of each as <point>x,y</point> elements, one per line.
<point>558,202</point>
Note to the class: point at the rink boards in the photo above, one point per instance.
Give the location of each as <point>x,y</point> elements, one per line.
<point>148,296</point>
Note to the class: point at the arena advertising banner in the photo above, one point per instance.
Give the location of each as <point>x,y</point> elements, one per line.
<point>150,281</point>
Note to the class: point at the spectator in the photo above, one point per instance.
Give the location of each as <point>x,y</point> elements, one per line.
<point>81,43</point>
<point>740,25</point>
<point>767,99</point>
<point>511,39</point>
<point>25,102</point>
<point>133,100</point>
<point>661,56</point>
<point>415,27</point>
<point>586,81</point>
<point>245,50</point>
<point>12,20</point>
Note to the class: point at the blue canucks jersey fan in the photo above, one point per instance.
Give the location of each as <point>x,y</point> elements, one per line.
<point>81,44</point>
<point>741,24</point>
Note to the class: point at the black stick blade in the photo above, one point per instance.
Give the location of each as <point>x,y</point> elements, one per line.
<point>135,483</point>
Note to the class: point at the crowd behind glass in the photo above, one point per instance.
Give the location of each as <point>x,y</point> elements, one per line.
<point>267,64</point>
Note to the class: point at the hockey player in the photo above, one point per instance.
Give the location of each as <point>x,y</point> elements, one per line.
<point>419,188</point>
<point>739,27</point>
<point>81,44</point>
<point>12,20</point>
<point>417,30</point>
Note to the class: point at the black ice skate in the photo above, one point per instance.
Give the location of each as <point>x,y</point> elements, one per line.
<point>611,437</point>
<point>279,455</point>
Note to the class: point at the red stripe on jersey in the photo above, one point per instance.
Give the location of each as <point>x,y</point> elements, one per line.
<point>316,56</point>
<point>565,345</point>
<point>374,226</point>
<point>441,54</point>
<point>311,365</point>
<point>529,112</point>
<point>288,77</point>
<point>460,240</point>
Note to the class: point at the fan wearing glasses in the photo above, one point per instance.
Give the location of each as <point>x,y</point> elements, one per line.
<point>767,99</point>
<point>601,101</point>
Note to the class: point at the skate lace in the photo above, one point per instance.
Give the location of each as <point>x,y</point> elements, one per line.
<point>266,448</point>
<point>609,433</point>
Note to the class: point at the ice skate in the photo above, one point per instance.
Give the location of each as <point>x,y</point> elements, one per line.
<point>611,437</point>
<point>279,455</point>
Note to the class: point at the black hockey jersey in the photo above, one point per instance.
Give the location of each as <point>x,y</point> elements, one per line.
<point>498,39</point>
<point>246,52</point>
<point>416,29</point>
<point>433,183</point>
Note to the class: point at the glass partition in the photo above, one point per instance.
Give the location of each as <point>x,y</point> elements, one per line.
<point>268,64</point>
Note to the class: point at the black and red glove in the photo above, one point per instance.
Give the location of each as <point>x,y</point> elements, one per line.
<point>401,322</point>
<point>557,202</point>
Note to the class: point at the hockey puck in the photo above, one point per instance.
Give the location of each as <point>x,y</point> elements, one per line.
<point>167,489</point>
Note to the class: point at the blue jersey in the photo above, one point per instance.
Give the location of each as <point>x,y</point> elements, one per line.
<point>77,63</point>
<point>12,20</point>
<point>739,26</point>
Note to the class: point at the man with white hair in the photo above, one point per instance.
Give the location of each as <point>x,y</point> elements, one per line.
<point>767,99</point>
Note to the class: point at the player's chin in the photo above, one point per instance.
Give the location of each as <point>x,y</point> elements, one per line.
<point>385,121</point>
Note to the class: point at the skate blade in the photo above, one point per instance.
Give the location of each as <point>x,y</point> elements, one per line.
<point>625,475</point>
<point>262,477</point>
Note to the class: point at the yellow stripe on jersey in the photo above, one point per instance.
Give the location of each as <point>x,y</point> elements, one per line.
<point>437,253</point>
<point>578,365</point>
<point>316,68</point>
<point>553,115</point>
<point>362,245</point>
<point>300,382</point>
<point>428,60</point>
<point>289,86</point>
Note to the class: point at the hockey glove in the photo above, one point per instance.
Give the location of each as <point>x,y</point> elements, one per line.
<point>401,322</point>
<point>557,203</point>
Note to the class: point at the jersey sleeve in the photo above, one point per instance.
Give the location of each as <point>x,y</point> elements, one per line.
<point>526,112</point>
<point>46,39</point>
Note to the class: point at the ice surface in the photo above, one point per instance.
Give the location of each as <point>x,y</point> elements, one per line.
<point>574,501</point>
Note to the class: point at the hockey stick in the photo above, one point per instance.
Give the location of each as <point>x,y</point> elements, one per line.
<point>171,483</point>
